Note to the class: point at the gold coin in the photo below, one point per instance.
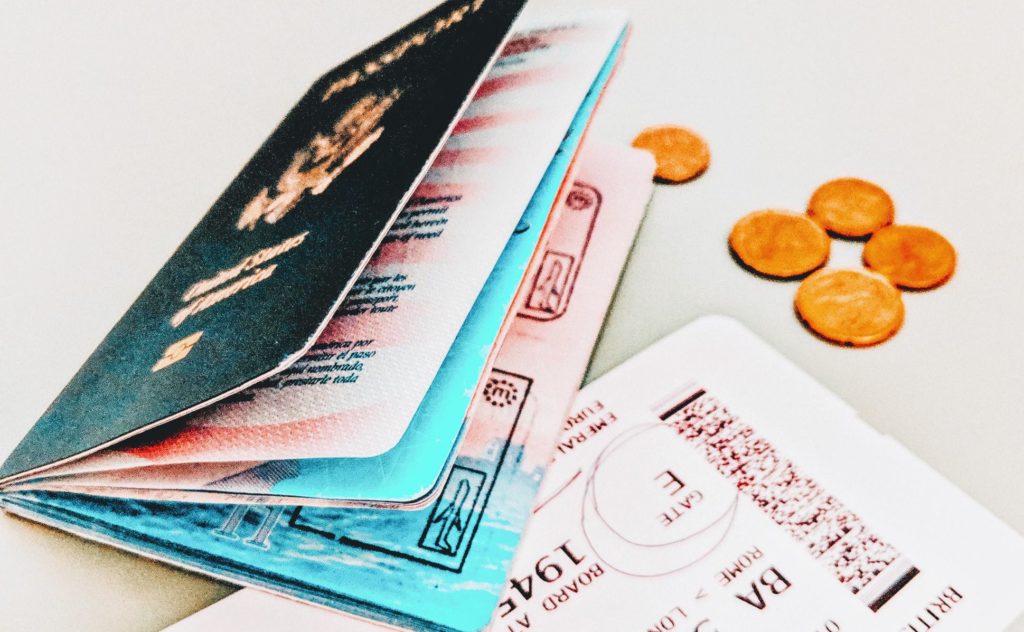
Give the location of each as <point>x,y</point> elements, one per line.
<point>851,307</point>
<point>851,208</point>
<point>779,244</point>
<point>913,257</point>
<point>680,153</point>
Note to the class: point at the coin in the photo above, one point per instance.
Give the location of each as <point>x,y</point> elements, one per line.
<point>779,244</point>
<point>849,207</point>
<point>852,307</point>
<point>680,153</point>
<point>913,257</point>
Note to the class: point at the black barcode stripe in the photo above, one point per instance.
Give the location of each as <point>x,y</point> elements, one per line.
<point>681,405</point>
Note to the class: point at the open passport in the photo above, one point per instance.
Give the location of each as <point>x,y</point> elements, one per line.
<point>345,385</point>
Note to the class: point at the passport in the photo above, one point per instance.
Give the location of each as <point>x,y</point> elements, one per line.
<point>368,404</point>
<point>336,440</point>
<point>344,385</point>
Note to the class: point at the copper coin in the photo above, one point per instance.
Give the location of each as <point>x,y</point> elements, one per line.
<point>851,208</point>
<point>680,153</point>
<point>913,257</point>
<point>851,307</point>
<point>779,244</point>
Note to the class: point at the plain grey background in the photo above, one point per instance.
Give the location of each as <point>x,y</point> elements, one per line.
<point>121,122</point>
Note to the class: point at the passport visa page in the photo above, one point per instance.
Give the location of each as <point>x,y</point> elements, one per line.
<point>445,565</point>
<point>250,288</point>
<point>708,484</point>
<point>336,424</point>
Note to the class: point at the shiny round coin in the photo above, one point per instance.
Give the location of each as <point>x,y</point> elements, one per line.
<point>912,257</point>
<point>849,207</point>
<point>850,307</point>
<point>779,244</point>
<point>680,154</point>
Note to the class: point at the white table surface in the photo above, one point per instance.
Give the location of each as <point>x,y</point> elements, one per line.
<point>121,122</point>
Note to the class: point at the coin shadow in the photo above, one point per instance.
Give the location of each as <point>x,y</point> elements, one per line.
<point>777,279</point>
<point>922,290</point>
<point>913,290</point>
<point>842,345</point>
<point>696,176</point>
<point>834,235</point>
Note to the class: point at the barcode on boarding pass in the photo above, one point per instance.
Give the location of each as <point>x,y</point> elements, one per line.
<point>868,566</point>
